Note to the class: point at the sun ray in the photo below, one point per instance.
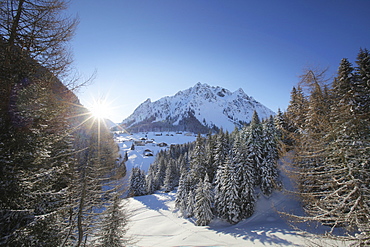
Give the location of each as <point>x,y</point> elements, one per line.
<point>100,108</point>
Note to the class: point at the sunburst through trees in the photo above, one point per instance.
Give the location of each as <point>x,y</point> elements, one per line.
<point>58,162</point>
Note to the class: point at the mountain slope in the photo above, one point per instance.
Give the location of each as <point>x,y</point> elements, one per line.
<point>164,225</point>
<point>197,109</point>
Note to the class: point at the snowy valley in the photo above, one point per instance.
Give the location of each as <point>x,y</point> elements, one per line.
<point>205,166</point>
<point>155,221</point>
<point>172,174</point>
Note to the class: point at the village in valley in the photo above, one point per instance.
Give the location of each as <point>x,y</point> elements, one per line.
<point>142,147</point>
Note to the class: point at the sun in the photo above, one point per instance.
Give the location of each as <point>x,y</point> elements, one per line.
<point>100,109</point>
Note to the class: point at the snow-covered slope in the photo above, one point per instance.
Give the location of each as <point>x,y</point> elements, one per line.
<point>197,109</point>
<point>156,222</point>
<point>136,157</point>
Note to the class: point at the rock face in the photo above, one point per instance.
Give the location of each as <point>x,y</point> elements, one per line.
<point>198,109</point>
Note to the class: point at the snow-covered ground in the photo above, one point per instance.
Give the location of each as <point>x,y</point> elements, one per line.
<point>137,157</point>
<point>156,222</point>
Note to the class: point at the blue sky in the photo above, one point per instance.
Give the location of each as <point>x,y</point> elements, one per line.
<point>153,48</point>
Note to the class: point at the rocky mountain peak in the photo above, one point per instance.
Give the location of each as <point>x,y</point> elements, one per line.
<point>199,109</point>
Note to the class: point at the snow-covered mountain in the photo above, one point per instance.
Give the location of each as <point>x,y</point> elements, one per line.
<point>197,109</point>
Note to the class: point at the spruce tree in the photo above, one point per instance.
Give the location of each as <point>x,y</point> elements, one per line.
<point>220,193</point>
<point>190,203</point>
<point>281,126</point>
<point>362,85</point>
<point>137,182</point>
<point>296,110</point>
<point>161,162</point>
<point>171,178</point>
<point>35,191</point>
<point>150,178</point>
<point>113,227</point>
<point>245,176</point>
<point>203,202</point>
<point>198,164</point>
<point>210,156</point>
<point>269,171</point>
<point>182,193</point>
<point>222,148</point>
<point>229,202</point>
<point>254,146</point>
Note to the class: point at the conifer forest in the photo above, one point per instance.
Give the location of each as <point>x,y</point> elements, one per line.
<point>61,171</point>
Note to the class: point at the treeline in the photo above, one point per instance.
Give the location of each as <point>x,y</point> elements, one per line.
<point>58,165</point>
<point>328,126</point>
<point>218,175</point>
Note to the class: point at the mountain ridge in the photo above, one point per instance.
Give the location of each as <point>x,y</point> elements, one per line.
<point>201,108</point>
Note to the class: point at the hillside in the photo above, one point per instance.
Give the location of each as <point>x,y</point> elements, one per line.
<point>156,222</point>
<point>198,109</point>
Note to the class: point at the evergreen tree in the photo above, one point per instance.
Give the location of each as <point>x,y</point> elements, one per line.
<point>182,193</point>
<point>222,148</point>
<point>245,176</point>
<point>254,145</point>
<point>345,201</point>
<point>220,193</point>
<point>114,225</point>
<point>161,162</point>
<point>203,203</point>
<point>190,203</point>
<point>228,199</point>
<point>296,110</point>
<point>269,171</point>
<point>35,142</point>
<point>362,85</point>
<point>150,178</point>
<point>137,182</point>
<point>55,160</point>
<point>282,130</point>
<point>198,161</point>
<point>36,153</point>
<point>171,179</point>
<point>210,156</point>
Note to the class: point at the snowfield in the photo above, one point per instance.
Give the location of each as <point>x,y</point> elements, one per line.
<point>136,157</point>
<point>154,220</point>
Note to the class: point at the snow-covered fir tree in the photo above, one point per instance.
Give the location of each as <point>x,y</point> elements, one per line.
<point>269,171</point>
<point>228,203</point>
<point>151,183</point>
<point>137,182</point>
<point>219,191</point>
<point>114,225</point>
<point>198,164</point>
<point>161,162</point>
<point>203,202</point>
<point>222,148</point>
<point>182,194</point>
<point>254,145</point>
<point>245,175</point>
<point>190,205</point>
<point>172,176</point>
<point>210,161</point>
